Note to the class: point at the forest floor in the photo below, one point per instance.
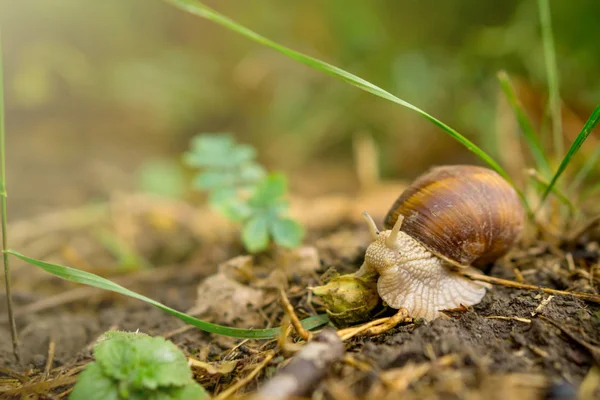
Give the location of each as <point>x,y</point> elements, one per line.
<point>514,344</point>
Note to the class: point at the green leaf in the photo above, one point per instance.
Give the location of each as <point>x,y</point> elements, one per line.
<point>117,357</point>
<point>215,179</point>
<point>252,173</point>
<point>255,234</point>
<point>87,278</point>
<point>212,142</point>
<point>214,150</point>
<point>585,132</point>
<point>222,195</point>
<point>190,392</point>
<point>197,8</point>
<point>235,209</point>
<point>120,334</point>
<point>269,190</point>
<point>531,137</point>
<point>143,362</point>
<point>92,384</point>
<point>588,166</point>
<point>287,232</point>
<point>159,363</point>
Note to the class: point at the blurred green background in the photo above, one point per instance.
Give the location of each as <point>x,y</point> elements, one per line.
<point>98,93</point>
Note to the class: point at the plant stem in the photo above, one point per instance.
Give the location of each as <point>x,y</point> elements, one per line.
<point>505,282</point>
<point>3,195</point>
<point>552,72</point>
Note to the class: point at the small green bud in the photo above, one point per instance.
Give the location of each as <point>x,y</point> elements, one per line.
<point>349,300</point>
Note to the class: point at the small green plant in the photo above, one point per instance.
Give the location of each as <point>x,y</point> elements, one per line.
<point>242,190</point>
<point>131,365</point>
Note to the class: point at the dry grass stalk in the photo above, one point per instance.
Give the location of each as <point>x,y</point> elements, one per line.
<point>505,282</point>
<point>289,310</point>
<point>247,379</point>
<point>375,327</point>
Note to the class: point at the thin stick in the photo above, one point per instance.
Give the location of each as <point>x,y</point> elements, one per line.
<point>305,370</point>
<point>285,302</point>
<point>50,359</point>
<point>505,282</point>
<point>524,320</point>
<point>9,304</point>
<point>243,382</point>
<point>375,327</point>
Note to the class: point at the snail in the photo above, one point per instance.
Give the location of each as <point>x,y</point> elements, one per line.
<point>450,219</point>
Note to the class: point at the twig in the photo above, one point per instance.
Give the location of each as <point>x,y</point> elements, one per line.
<point>243,382</point>
<point>524,320</point>
<point>505,282</point>
<point>374,327</point>
<point>305,369</point>
<point>42,387</point>
<point>3,195</point>
<point>542,305</point>
<point>66,392</point>
<point>50,359</point>
<point>397,380</point>
<point>285,302</point>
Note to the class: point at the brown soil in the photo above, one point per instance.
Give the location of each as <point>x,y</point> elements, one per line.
<point>469,354</point>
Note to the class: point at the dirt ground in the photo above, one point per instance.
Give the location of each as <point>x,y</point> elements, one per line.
<point>514,344</point>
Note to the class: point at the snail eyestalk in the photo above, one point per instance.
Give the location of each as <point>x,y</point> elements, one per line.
<point>391,240</point>
<point>372,226</point>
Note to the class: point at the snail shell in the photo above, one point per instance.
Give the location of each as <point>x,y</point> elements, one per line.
<point>466,215</point>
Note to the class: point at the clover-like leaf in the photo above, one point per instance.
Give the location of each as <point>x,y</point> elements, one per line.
<point>212,142</point>
<point>271,189</point>
<point>287,232</point>
<point>215,179</point>
<point>235,209</point>
<point>218,150</point>
<point>93,384</point>
<point>251,173</point>
<point>255,234</point>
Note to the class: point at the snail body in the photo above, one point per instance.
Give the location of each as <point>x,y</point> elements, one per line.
<point>450,219</point>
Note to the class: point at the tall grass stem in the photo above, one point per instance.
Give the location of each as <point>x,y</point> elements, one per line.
<point>552,76</point>
<point>588,166</point>
<point>590,124</point>
<point>3,195</point>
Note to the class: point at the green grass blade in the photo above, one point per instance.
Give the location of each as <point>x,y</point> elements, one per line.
<point>564,199</point>
<point>587,167</point>
<point>87,278</point>
<point>199,9</point>
<point>585,132</point>
<point>531,137</point>
<point>552,74</point>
